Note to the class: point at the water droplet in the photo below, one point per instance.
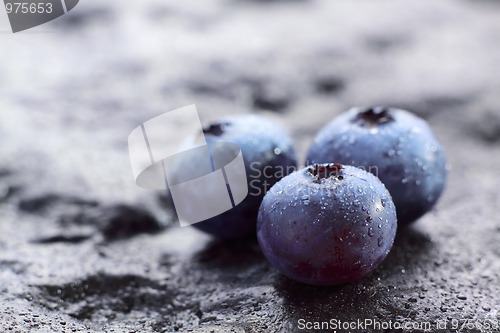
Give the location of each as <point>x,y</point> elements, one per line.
<point>416,130</point>
<point>305,200</point>
<point>371,233</point>
<point>380,241</point>
<point>404,181</point>
<point>277,151</point>
<point>383,202</point>
<point>369,219</point>
<point>418,182</point>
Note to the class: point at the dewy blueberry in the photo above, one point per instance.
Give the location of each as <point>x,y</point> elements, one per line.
<point>393,144</point>
<point>327,224</point>
<point>268,155</point>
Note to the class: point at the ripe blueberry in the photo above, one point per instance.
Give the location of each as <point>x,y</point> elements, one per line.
<point>393,144</point>
<point>327,224</point>
<point>268,155</point>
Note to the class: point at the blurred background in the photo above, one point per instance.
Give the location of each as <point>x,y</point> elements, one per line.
<point>83,248</point>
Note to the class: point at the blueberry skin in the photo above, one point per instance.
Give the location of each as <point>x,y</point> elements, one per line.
<point>394,145</point>
<point>268,155</point>
<point>323,230</point>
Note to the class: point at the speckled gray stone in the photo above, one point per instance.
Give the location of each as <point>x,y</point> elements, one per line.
<point>73,89</point>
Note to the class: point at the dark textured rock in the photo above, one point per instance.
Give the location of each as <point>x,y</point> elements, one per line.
<point>385,43</point>
<point>83,17</point>
<point>72,239</point>
<point>71,97</point>
<point>488,126</point>
<point>329,84</point>
<point>8,191</point>
<point>122,221</point>
<point>271,95</point>
<point>41,203</point>
<point>107,294</point>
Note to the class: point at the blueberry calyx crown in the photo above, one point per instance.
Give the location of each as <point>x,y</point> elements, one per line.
<point>325,171</point>
<point>374,116</point>
<point>215,129</point>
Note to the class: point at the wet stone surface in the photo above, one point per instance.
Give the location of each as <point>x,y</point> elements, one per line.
<point>82,249</point>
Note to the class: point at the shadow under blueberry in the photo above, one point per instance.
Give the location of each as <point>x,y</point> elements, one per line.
<point>411,247</point>
<point>373,297</point>
<point>358,300</point>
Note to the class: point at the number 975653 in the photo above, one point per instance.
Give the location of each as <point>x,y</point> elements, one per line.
<point>28,8</point>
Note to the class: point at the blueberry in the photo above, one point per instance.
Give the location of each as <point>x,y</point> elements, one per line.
<point>327,224</point>
<point>268,155</point>
<point>394,145</point>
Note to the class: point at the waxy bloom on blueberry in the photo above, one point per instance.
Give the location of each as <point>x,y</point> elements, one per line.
<point>395,145</point>
<point>268,155</point>
<point>327,224</point>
